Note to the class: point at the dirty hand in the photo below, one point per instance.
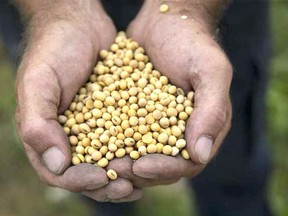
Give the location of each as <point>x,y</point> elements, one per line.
<point>181,45</point>
<point>63,40</point>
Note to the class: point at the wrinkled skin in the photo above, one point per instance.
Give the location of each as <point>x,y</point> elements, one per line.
<point>58,60</point>
<point>186,52</point>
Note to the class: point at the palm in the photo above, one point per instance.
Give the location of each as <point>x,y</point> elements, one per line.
<point>187,54</point>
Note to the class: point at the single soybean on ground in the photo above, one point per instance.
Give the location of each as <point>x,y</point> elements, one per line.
<point>126,108</point>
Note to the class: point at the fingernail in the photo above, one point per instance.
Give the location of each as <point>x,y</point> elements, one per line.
<point>203,149</point>
<point>54,160</point>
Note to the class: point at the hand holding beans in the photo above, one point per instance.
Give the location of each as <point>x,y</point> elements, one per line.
<point>58,60</point>
<point>151,113</point>
<point>60,55</point>
<point>180,42</point>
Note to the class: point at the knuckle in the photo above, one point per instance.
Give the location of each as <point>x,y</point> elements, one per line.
<point>31,130</point>
<point>219,116</point>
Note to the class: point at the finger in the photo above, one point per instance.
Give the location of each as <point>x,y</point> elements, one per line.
<point>123,167</point>
<point>210,114</point>
<point>115,190</point>
<point>160,167</point>
<point>75,179</point>
<point>84,177</point>
<point>38,98</point>
<point>134,196</point>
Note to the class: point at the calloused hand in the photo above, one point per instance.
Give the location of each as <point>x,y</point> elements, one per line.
<point>62,46</point>
<point>181,45</point>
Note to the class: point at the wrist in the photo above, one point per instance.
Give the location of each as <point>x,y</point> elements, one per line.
<point>87,17</point>
<point>205,12</point>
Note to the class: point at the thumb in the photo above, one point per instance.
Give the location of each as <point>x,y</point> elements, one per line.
<point>210,121</point>
<point>38,95</point>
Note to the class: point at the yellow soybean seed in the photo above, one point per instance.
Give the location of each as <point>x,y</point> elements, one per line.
<point>119,143</point>
<point>91,123</point>
<point>110,101</point>
<point>133,121</point>
<point>91,150</point>
<point>172,140</point>
<point>99,95</point>
<point>129,142</point>
<point>104,138</point>
<point>152,148</point>
<point>98,104</point>
<point>175,151</point>
<point>181,143</point>
<point>84,128</point>
<point>163,138</point>
<point>103,162</point>
<point>157,114</point>
<point>81,157</point>
<point>112,174</point>
<point>173,120</point>
<point>95,143</point>
<point>73,140</point>
<point>155,127</point>
<point>75,160</point>
<point>96,155</point>
<point>66,130</point>
<point>149,119</point>
<point>112,147</point>
<point>70,122</point>
<point>62,119</point>
<point>109,155</point>
<point>96,113</point>
<point>137,136</point>
<point>134,155</point>
<point>142,150</point>
<point>147,138</point>
<point>88,159</point>
<point>183,116</point>
<point>159,147</point>
<point>79,118</point>
<point>142,112</point>
<point>189,110</point>
<point>164,8</point>
<point>167,150</point>
<point>185,154</point>
<point>164,122</point>
<point>116,120</point>
<point>128,149</point>
<point>190,96</point>
<point>80,150</point>
<point>143,129</point>
<point>86,141</point>
<point>103,150</point>
<point>129,132</point>
<point>89,104</point>
<point>120,153</point>
<point>171,112</point>
<point>113,130</point>
<point>176,131</point>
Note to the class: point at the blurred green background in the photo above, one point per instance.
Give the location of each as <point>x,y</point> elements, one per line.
<point>23,194</point>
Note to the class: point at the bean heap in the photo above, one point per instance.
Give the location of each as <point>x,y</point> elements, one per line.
<point>126,108</point>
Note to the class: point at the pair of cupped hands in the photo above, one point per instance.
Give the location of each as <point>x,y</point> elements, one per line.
<point>63,43</point>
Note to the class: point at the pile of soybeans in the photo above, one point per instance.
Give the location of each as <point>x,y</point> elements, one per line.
<point>126,108</point>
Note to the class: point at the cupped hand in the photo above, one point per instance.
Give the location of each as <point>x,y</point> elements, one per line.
<point>182,46</point>
<point>62,47</point>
